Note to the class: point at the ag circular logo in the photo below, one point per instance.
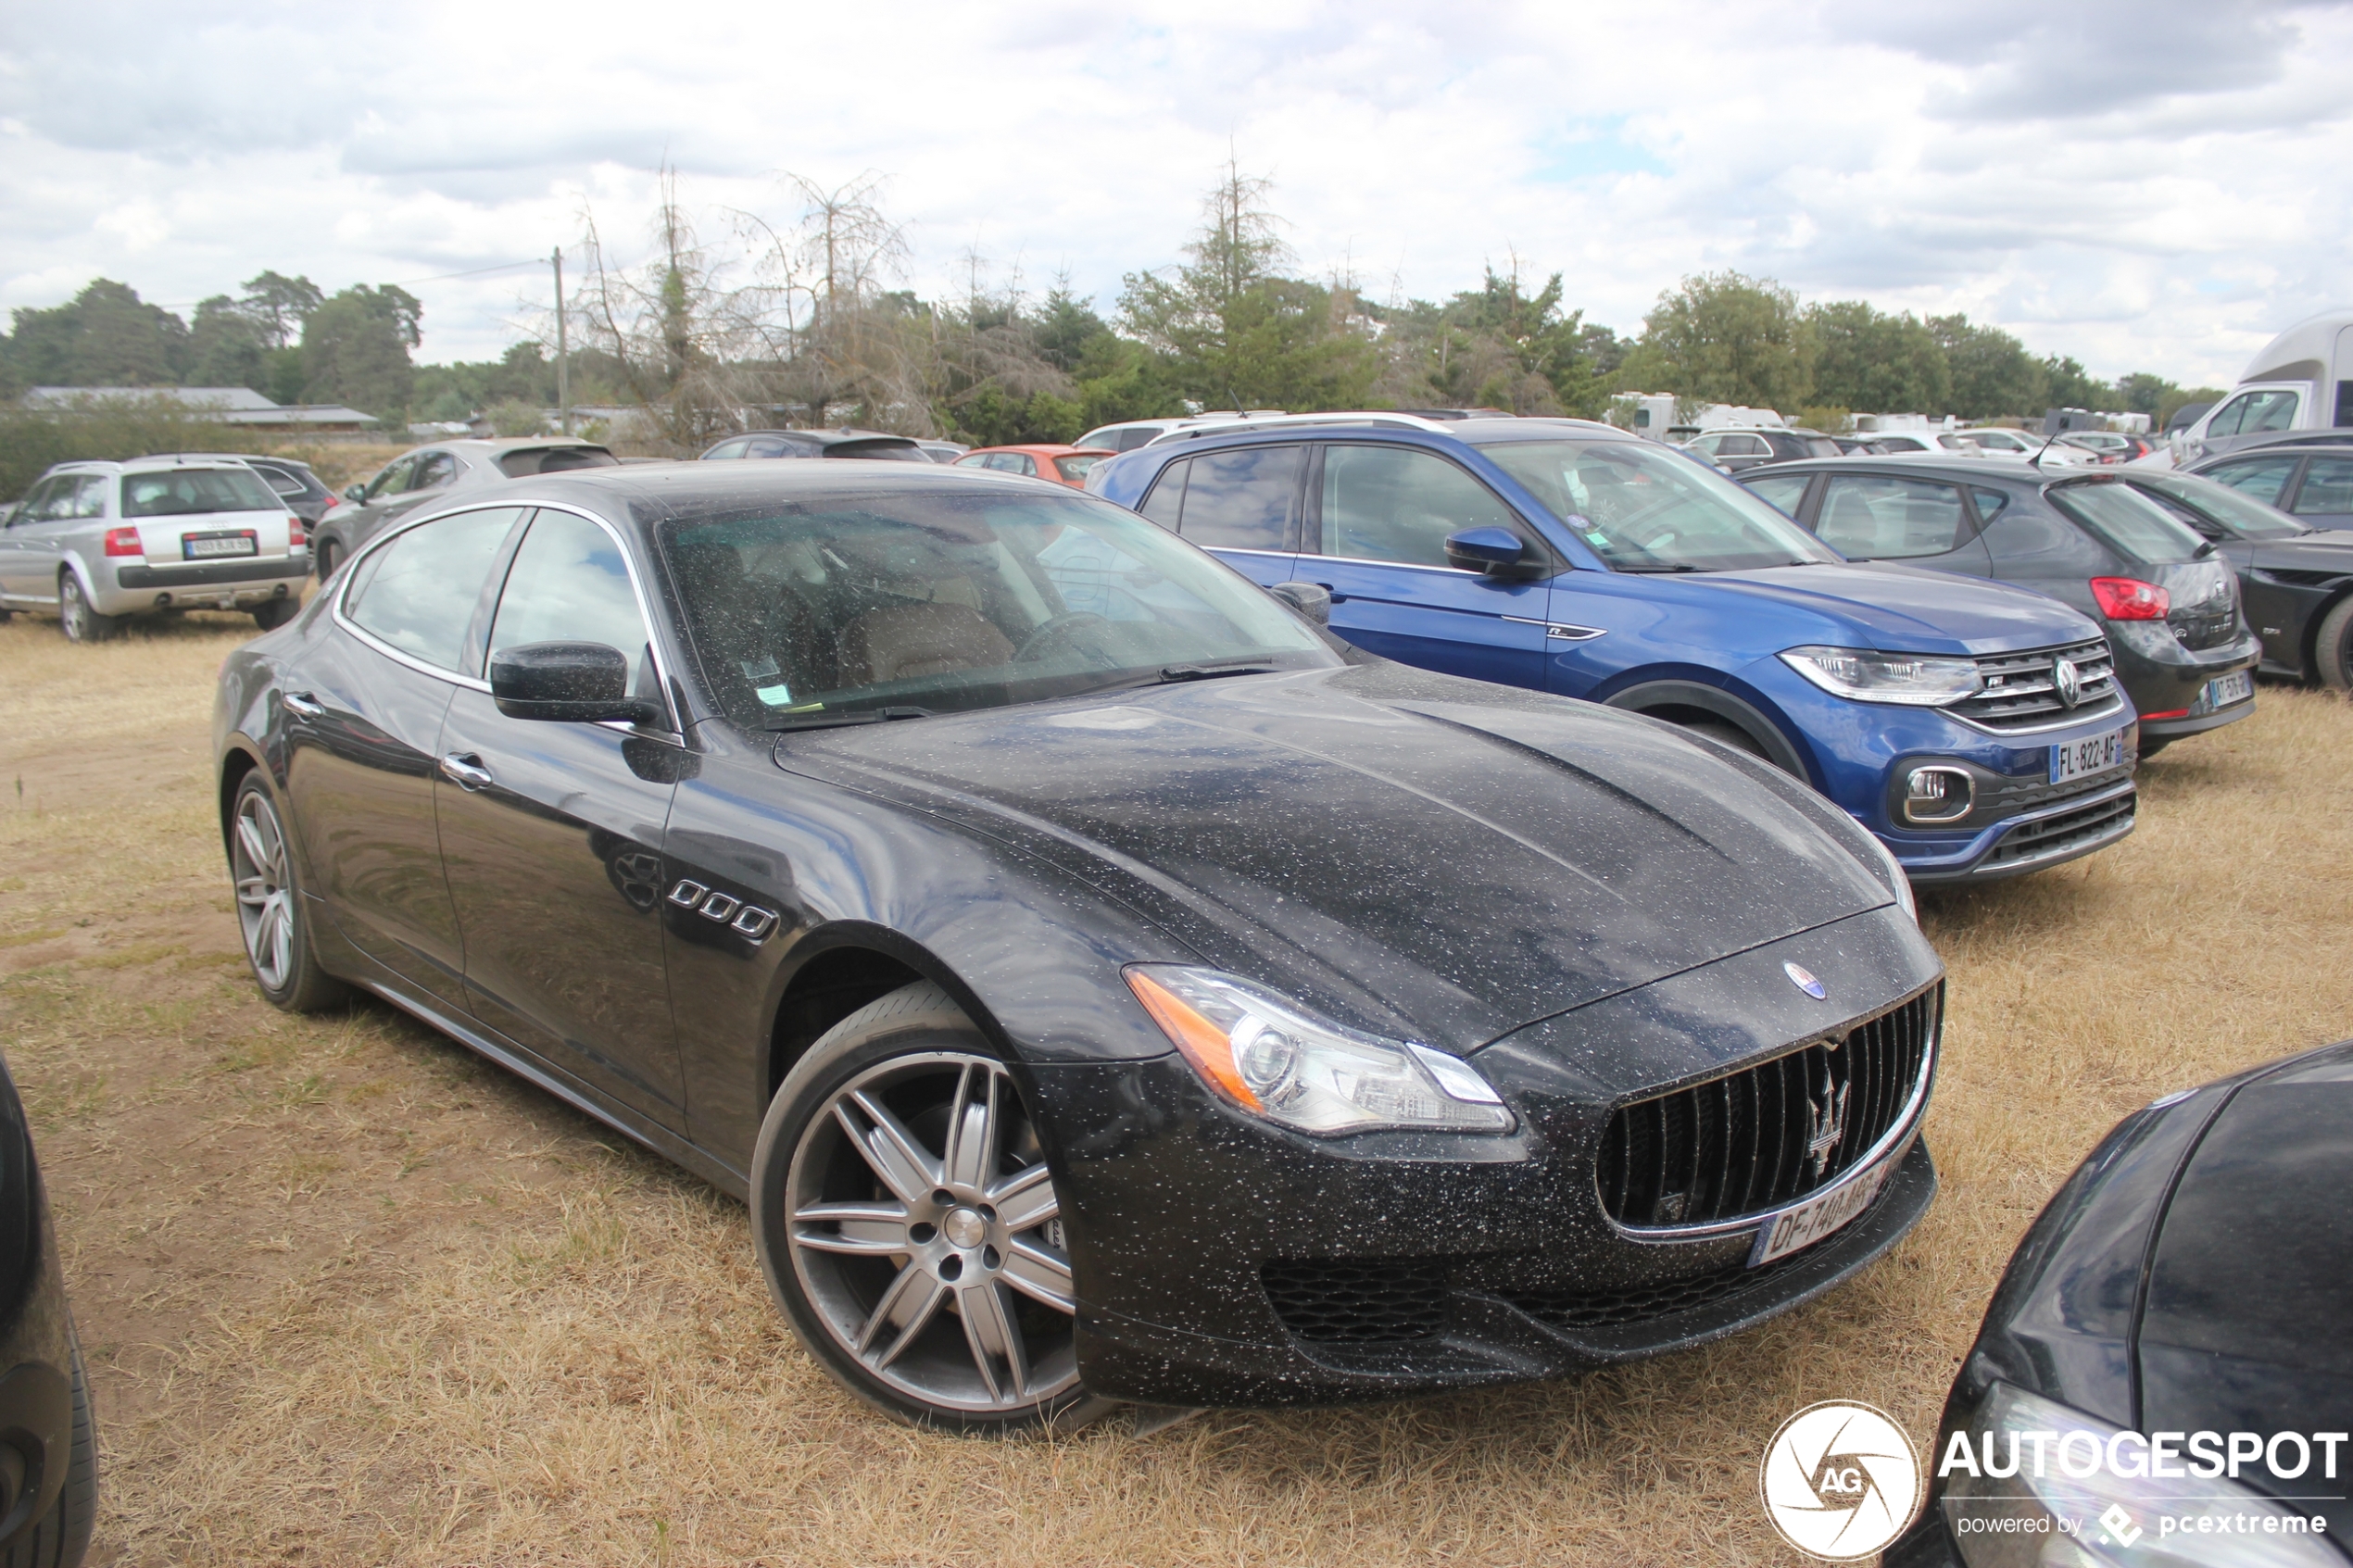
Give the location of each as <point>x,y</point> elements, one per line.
<point>1840,1480</point>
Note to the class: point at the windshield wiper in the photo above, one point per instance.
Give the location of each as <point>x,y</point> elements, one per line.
<point>1656,566</point>
<point>1212,671</point>
<point>836,721</point>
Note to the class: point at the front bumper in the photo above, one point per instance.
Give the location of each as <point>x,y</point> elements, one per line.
<point>1222,1261</point>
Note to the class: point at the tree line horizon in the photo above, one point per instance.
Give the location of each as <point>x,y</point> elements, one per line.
<point>800,324</point>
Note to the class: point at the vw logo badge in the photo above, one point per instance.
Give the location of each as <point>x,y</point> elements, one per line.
<point>2068,681</point>
<point>1803,978</point>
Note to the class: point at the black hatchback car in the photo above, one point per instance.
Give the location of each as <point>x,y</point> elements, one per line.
<point>1735,450</point>
<point>2167,600</point>
<point>2296,581</point>
<point>1100,983</point>
<point>2180,1305</point>
<point>2308,474</point>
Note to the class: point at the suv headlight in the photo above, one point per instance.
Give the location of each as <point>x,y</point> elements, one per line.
<point>1274,1059</point>
<point>2073,1498</point>
<point>1914,679</point>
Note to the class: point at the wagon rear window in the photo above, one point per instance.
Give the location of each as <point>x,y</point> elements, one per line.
<point>175,492</point>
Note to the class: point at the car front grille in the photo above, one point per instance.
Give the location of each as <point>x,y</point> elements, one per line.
<point>1761,1137</point>
<point>2054,835</point>
<point>2016,691</point>
<point>1359,1300</point>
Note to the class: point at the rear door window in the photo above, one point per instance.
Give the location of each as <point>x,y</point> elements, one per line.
<point>1393,504</point>
<point>90,496</point>
<point>1165,504</point>
<point>433,471</point>
<point>1878,517</point>
<point>2262,478</point>
<point>725,450</point>
<point>1242,500</point>
<point>2327,487</point>
<point>419,592</point>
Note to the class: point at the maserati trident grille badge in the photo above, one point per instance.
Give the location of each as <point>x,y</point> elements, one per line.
<point>1803,978</point>
<point>1826,1124</point>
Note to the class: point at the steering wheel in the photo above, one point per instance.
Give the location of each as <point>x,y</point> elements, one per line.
<point>1051,629</point>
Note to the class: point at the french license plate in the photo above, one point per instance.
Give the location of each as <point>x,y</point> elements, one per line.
<point>2074,759</point>
<point>2224,690</point>
<point>1793,1229</point>
<point>212,546</point>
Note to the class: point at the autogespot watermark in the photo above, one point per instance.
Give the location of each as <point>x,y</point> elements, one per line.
<point>1840,1480</point>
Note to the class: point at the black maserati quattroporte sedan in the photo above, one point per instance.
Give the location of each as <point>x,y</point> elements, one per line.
<point>1102,985</point>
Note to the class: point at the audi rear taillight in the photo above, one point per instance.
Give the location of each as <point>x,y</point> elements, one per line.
<point>295,538</point>
<point>2128,598</point>
<point>124,542</point>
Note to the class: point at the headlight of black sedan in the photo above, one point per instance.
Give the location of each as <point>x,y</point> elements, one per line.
<point>2030,1482</point>
<point>1274,1059</point>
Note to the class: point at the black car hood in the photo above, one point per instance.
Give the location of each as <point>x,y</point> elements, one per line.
<point>2246,1327</point>
<point>1413,853</point>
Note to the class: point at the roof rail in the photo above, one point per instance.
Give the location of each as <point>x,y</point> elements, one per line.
<point>1289,422</point>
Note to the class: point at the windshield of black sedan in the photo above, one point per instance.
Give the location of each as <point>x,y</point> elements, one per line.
<point>1645,509</point>
<point>2243,515</point>
<point>922,600</point>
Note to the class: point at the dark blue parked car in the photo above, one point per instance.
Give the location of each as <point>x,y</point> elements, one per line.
<point>1976,729</point>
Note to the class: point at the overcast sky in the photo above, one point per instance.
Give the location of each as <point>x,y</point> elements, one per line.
<point>2144,186</point>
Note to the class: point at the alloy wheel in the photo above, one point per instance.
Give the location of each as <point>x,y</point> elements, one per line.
<point>265,894</point>
<point>927,1234</point>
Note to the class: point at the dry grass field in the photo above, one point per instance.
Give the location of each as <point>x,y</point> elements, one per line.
<point>352,1296</point>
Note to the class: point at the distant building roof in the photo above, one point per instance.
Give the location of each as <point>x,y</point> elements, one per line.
<point>232,404</point>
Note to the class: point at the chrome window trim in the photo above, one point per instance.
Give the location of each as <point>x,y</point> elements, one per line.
<point>348,575</point>
<point>1901,1131</point>
<point>1397,565</point>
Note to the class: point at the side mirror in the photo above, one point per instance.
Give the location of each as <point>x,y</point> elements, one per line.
<point>578,683</point>
<point>1497,552</point>
<point>354,490</point>
<point>1311,599</point>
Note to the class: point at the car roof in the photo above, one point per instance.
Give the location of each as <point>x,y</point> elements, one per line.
<point>1992,465</point>
<point>829,437</point>
<point>2291,438</point>
<point>234,457</point>
<point>652,492</point>
<point>148,464</point>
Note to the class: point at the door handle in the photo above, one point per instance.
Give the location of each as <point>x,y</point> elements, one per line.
<point>302,704</point>
<point>1338,597</point>
<point>464,769</point>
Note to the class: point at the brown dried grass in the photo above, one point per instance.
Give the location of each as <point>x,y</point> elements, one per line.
<point>352,1296</point>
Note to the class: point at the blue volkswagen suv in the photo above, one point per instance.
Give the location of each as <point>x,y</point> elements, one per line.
<point>1976,729</point>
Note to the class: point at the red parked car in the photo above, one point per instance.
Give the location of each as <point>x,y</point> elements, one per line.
<point>1065,465</point>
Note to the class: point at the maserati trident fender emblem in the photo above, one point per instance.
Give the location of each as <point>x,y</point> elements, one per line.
<point>1803,978</point>
<point>1826,1124</point>
<point>2068,681</point>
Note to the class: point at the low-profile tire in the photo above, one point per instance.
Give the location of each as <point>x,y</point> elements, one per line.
<point>1724,733</point>
<point>270,614</point>
<point>270,912</point>
<point>910,1229</point>
<point>76,618</point>
<point>2333,647</point>
<point>323,559</point>
<point>60,1538</point>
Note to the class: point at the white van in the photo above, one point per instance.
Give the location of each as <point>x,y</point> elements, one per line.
<point>2303,379</point>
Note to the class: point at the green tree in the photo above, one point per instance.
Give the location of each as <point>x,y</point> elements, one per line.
<point>1881,363</point>
<point>225,348</point>
<point>1239,333</point>
<point>1497,347</point>
<point>278,306</point>
<point>1994,376</point>
<point>104,336</point>
<point>355,350</point>
<point>2144,394</point>
<point>1725,338</point>
<point>2175,401</point>
<point>2068,385</point>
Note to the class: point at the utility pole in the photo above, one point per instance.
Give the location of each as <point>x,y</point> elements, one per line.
<point>563,355</point>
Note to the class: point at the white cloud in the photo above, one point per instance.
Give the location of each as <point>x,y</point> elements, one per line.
<point>2142,187</point>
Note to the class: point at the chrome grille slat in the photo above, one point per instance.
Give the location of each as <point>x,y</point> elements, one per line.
<point>2017,693</point>
<point>1737,1144</point>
